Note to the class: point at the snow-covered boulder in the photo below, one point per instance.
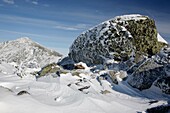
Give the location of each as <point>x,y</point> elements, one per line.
<point>119,38</point>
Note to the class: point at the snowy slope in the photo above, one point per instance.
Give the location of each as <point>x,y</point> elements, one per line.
<point>51,94</point>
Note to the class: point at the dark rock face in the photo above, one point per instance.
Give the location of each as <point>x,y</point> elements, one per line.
<point>22,93</point>
<point>67,63</point>
<point>159,109</point>
<point>120,39</point>
<point>164,84</point>
<point>144,79</point>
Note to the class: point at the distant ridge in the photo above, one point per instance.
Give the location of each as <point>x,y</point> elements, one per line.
<point>23,51</point>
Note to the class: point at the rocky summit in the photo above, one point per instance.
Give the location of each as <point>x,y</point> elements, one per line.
<point>123,38</point>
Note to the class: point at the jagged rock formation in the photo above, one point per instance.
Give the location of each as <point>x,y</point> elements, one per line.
<point>26,53</point>
<point>122,38</point>
<point>152,71</point>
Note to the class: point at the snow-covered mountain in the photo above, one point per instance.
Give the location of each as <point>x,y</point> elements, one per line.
<point>116,78</point>
<point>26,53</point>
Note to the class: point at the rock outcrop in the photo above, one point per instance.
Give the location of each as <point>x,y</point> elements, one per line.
<point>48,69</point>
<point>145,75</point>
<point>152,71</point>
<point>121,38</point>
<point>67,63</point>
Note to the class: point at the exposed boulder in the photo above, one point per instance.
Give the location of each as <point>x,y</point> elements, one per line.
<point>120,38</point>
<point>144,79</point>
<point>51,68</point>
<point>79,66</point>
<point>159,109</point>
<point>22,93</point>
<point>67,63</point>
<point>113,77</point>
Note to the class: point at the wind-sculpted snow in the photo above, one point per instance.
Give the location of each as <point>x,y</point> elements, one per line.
<point>70,93</point>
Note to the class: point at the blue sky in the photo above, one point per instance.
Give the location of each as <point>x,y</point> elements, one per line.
<point>55,24</point>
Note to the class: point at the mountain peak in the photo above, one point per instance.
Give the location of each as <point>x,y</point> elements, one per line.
<point>24,39</point>
<point>24,50</point>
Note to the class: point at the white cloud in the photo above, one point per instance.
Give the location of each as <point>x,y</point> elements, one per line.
<point>65,28</point>
<point>35,2</point>
<point>27,21</point>
<point>45,37</point>
<point>42,23</point>
<point>72,28</point>
<point>9,1</point>
<point>20,33</point>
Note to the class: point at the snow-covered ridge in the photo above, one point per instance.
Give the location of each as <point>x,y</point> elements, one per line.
<point>27,53</point>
